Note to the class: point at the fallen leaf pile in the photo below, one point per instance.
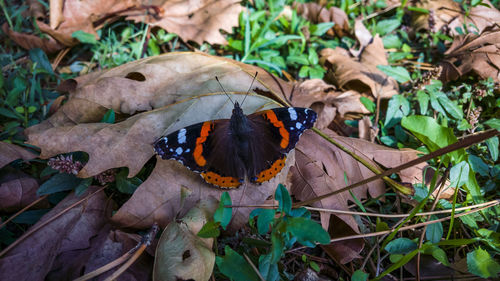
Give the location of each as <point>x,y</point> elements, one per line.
<point>196,21</point>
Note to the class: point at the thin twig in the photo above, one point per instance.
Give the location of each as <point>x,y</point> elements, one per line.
<point>254,267</point>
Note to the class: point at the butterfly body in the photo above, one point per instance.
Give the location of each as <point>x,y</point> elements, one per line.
<point>227,151</point>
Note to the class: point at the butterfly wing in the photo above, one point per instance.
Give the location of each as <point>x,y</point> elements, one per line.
<point>202,148</point>
<point>276,132</point>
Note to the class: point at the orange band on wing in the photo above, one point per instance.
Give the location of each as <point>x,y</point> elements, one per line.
<point>218,180</point>
<point>272,171</point>
<point>198,149</point>
<point>271,116</point>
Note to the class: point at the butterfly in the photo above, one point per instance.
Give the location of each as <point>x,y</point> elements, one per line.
<point>227,151</point>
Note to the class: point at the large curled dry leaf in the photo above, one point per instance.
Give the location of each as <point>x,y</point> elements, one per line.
<point>181,254</point>
<point>449,15</point>
<point>153,97</point>
<point>479,54</point>
<point>361,76</point>
<point>70,233</point>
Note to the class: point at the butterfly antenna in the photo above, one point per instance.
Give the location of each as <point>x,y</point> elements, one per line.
<point>251,84</point>
<point>217,78</point>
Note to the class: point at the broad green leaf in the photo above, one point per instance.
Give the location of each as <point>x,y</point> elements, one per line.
<point>493,123</point>
<point>450,107</point>
<point>477,164</point>
<point>30,216</point>
<point>235,266</point>
<point>300,212</point>
<point>438,253</point>
<point>266,217</point>
<point>38,55</point>
<point>267,269</point>
<point>405,259</point>
<point>307,231</point>
<point>434,232</point>
<point>84,37</point>
<point>126,185</point>
<point>397,72</point>
<point>492,144</point>
<point>433,135</point>
<point>278,245</point>
<point>313,57</point>
<point>392,41</point>
<point>209,230</point>
<point>10,114</point>
<point>316,72</point>
<point>398,108</point>
<point>401,246</point>
<point>368,103</point>
<point>82,187</point>
<point>284,199</point>
<point>222,214</point>
<point>459,174</point>
<point>59,182</point>
<point>359,275</point>
<point>304,71</point>
<point>384,27</point>
<point>479,262</point>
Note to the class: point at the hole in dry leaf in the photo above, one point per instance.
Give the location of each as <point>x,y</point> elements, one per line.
<point>137,76</point>
<point>186,255</point>
<point>67,86</point>
<point>190,15</point>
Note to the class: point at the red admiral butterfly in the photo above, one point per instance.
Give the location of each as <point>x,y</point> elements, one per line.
<point>225,151</point>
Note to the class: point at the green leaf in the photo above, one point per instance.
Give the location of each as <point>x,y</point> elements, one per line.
<point>59,182</point>
<point>479,262</point>
<point>7,113</point>
<point>235,266</point>
<point>433,135</point>
<point>492,144</point>
<point>209,230</point>
<point>267,269</point>
<point>398,108</point>
<point>397,72</point>
<point>359,275</point>
<point>304,71</point>
<point>109,117</point>
<point>450,107</point>
<point>434,232</point>
<point>401,246</point>
<point>314,266</point>
<point>266,217</point>
<point>423,101</point>
<point>38,56</point>
<point>222,214</point>
<point>82,187</point>
<point>438,253</point>
<point>459,174</point>
<point>387,26</point>
<point>368,103</point>
<point>301,60</point>
<point>313,57</point>
<point>392,41</point>
<point>84,37</point>
<point>493,123</point>
<point>316,72</point>
<point>320,28</point>
<point>284,199</point>
<point>307,231</point>
<point>277,246</point>
<point>477,164</point>
<point>30,216</point>
<point>126,185</point>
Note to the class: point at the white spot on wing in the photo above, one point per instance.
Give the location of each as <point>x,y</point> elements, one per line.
<point>187,150</point>
<point>298,125</point>
<point>178,151</point>
<point>293,113</point>
<point>181,137</point>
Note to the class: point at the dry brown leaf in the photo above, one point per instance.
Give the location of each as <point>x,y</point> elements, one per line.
<point>361,76</point>
<point>30,41</point>
<point>163,94</point>
<point>449,15</point>
<point>181,254</point>
<point>10,152</point>
<point>317,14</point>
<point>326,101</point>
<point>107,246</point>
<point>69,233</point>
<point>18,190</point>
<point>479,54</point>
<point>198,21</point>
